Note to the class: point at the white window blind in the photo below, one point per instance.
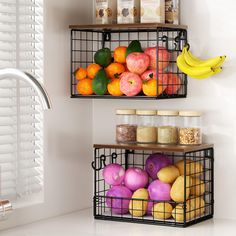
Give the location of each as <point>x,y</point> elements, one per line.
<point>21,118</point>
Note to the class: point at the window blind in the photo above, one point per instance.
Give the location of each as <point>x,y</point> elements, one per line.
<point>21,118</point>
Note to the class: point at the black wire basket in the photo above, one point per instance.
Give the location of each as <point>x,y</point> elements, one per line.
<point>86,41</point>
<point>198,196</point>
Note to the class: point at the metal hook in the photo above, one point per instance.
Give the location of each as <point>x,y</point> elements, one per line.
<point>165,39</point>
<point>113,156</point>
<point>187,45</point>
<point>102,162</point>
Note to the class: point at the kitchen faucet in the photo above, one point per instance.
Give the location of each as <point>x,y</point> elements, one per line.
<point>15,73</point>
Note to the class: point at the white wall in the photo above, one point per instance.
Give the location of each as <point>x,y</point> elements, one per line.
<point>73,125</point>
<point>211,32</point>
<point>68,130</point>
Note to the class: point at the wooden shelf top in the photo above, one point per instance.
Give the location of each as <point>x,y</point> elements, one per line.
<point>128,26</point>
<point>156,147</point>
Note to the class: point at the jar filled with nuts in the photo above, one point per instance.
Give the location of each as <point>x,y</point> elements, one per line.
<point>126,126</point>
<point>167,130</point>
<point>190,132</point>
<point>147,126</point>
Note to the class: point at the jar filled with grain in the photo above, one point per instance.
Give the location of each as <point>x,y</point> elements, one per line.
<point>172,12</point>
<point>147,126</point>
<point>190,131</point>
<point>126,126</point>
<point>167,130</point>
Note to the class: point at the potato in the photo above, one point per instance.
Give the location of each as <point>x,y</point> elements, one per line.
<point>139,207</point>
<point>198,187</point>
<point>178,213</point>
<point>177,189</point>
<point>162,211</point>
<point>193,168</point>
<point>197,206</point>
<point>168,174</point>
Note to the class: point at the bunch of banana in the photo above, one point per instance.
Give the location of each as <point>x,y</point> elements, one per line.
<point>197,68</point>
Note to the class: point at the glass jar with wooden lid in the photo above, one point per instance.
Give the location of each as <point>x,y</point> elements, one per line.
<point>167,132</point>
<point>126,126</point>
<point>147,126</point>
<point>190,131</point>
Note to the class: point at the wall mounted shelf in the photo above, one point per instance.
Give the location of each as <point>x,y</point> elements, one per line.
<point>87,39</point>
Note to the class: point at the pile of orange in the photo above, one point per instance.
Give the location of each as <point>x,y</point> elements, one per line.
<point>84,76</point>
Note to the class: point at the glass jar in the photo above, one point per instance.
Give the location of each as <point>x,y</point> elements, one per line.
<point>167,130</point>
<point>126,126</point>
<point>146,130</point>
<point>190,131</point>
<point>172,12</point>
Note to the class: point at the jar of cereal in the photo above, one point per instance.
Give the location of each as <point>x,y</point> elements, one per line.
<point>190,131</point>
<point>147,127</point>
<point>126,126</point>
<point>167,129</point>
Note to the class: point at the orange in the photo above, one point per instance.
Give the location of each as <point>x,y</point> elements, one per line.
<point>114,88</point>
<point>92,70</point>
<point>150,87</point>
<point>114,70</point>
<point>120,54</point>
<point>84,87</point>
<point>80,73</point>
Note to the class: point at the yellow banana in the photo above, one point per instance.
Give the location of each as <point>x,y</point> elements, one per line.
<point>213,72</point>
<point>190,70</point>
<point>221,62</point>
<point>194,61</point>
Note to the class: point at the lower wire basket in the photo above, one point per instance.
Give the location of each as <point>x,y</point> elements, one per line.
<point>196,203</point>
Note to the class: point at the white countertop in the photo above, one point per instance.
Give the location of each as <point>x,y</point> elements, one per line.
<point>81,223</point>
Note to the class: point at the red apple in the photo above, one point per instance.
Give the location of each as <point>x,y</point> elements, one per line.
<point>174,83</point>
<point>130,83</point>
<point>163,57</point>
<point>149,74</point>
<point>137,62</point>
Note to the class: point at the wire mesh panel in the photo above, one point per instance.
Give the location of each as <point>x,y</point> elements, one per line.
<point>191,192</point>
<point>162,45</point>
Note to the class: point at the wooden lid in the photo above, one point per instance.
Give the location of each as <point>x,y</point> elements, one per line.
<point>146,112</point>
<point>126,112</point>
<point>167,113</point>
<point>190,113</point>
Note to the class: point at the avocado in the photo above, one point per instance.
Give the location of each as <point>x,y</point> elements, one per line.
<point>100,82</point>
<point>134,46</point>
<point>103,57</point>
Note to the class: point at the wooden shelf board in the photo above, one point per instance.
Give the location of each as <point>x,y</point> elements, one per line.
<point>128,26</point>
<point>156,147</point>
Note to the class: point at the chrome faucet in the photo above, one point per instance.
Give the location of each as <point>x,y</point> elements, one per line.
<point>15,73</point>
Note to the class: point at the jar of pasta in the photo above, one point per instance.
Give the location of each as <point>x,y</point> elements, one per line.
<point>126,126</point>
<point>167,129</point>
<point>147,127</point>
<point>190,131</point>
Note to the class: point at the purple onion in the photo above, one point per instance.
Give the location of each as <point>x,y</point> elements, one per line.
<point>136,178</point>
<point>159,191</point>
<point>113,174</point>
<point>155,162</point>
<point>119,205</point>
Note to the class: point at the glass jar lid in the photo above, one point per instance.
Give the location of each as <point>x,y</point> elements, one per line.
<point>190,113</point>
<point>126,112</point>
<point>167,113</point>
<point>146,112</point>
